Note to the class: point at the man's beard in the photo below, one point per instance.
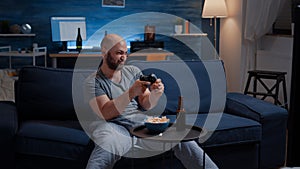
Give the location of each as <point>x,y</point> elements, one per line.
<point>111,64</point>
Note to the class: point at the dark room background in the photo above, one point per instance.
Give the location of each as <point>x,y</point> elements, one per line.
<point>37,13</point>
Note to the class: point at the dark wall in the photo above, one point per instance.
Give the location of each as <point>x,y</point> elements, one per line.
<point>38,12</point>
<point>293,149</point>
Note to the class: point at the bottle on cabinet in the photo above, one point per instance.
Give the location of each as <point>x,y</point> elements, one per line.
<point>180,115</point>
<point>186,26</point>
<point>78,41</point>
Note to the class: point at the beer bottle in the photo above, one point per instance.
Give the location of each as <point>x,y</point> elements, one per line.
<point>180,115</point>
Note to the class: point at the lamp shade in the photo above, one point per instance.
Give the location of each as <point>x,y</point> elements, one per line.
<point>214,8</point>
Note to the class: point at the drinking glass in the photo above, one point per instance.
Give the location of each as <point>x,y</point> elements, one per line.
<point>178,29</point>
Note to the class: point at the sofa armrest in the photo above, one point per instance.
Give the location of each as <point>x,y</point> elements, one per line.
<point>8,129</point>
<point>273,120</point>
<point>253,108</point>
<point>9,119</point>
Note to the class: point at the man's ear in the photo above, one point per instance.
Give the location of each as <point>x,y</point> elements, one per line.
<point>103,50</point>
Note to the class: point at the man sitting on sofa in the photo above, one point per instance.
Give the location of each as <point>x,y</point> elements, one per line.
<point>117,96</point>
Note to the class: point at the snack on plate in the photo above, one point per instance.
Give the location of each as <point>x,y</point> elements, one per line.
<point>162,119</point>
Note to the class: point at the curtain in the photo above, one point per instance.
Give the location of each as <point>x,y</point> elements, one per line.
<point>259,18</point>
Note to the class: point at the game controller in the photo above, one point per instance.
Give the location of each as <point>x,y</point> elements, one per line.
<point>150,78</point>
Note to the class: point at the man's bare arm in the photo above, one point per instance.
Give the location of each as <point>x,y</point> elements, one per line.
<point>108,109</point>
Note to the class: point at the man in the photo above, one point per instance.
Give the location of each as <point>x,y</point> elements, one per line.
<point>117,96</point>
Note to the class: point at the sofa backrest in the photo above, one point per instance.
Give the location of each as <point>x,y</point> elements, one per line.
<point>201,83</point>
<point>46,93</point>
<point>55,94</point>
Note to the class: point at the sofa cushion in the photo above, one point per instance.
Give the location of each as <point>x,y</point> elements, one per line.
<point>225,129</point>
<point>234,130</point>
<point>59,139</point>
<point>45,93</point>
<point>201,83</point>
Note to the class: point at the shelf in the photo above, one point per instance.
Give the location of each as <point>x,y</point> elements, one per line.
<point>17,35</point>
<point>28,54</point>
<point>190,34</point>
<point>39,51</point>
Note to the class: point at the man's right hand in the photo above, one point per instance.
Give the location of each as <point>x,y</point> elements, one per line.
<point>138,88</point>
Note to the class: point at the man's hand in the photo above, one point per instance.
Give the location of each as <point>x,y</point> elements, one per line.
<point>156,91</point>
<point>157,87</point>
<point>138,88</point>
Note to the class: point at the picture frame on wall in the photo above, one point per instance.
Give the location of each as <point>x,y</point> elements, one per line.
<point>113,3</point>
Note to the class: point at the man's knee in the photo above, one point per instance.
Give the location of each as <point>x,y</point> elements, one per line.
<point>116,141</point>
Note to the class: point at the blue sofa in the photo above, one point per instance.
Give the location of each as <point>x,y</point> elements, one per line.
<point>41,129</point>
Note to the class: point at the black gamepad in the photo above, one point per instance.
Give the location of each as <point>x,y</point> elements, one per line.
<point>150,78</point>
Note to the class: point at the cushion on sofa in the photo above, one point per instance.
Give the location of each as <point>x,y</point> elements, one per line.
<point>225,129</point>
<point>234,130</point>
<point>45,94</point>
<point>59,139</point>
<point>201,83</point>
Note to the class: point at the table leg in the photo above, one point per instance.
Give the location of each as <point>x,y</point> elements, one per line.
<point>132,152</point>
<point>203,158</point>
<point>45,60</point>
<point>54,62</point>
<point>163,155</point>
<point>33,60</point>
<point>171,148</point>
<point>9,61</point>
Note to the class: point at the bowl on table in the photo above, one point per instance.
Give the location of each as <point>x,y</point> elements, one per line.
<point>157,124</point>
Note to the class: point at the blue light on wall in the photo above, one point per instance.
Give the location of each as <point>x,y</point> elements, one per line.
<point>38,12</point>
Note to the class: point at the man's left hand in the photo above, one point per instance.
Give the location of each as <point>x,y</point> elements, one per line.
<point>157,87</point>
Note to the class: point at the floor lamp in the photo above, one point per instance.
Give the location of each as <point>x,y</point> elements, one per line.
<point>214,9</point>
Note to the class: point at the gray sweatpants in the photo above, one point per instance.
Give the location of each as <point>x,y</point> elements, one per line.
<point>114,141</point>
